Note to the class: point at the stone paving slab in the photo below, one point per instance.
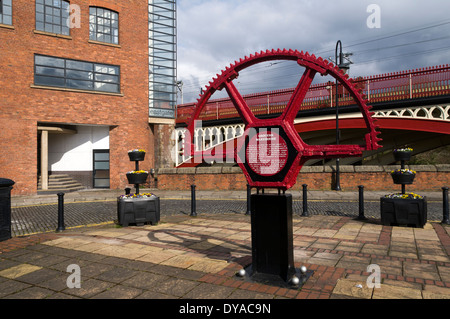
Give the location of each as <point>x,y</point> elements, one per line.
<point>187,257</point>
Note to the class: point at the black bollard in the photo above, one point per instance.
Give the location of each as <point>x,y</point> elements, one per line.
<point>249,194</point>
<point>193,206</point>
<point>61,226</point>
<point>127,191</point>
<point>305,200</point>
<point>6,185</point>
<point>361,203</point>
<point>445,219</point>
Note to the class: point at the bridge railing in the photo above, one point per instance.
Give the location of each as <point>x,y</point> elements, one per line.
<point>411,84</point>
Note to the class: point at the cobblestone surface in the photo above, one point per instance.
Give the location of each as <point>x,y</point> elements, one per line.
<point>44,218</point>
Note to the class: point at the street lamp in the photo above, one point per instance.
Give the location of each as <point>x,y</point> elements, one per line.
<point>330,88</point>
<point>179,85</point>
<point>344,67</point>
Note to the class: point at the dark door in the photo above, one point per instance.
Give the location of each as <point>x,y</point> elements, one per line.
<point>101,169</point>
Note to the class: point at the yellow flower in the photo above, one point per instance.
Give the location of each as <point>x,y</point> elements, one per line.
<point>407,149</point>
<point>138,172</point>
<point>403,171</point>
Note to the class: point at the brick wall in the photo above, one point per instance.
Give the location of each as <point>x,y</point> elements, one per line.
<point>428,178</point>
<point>23,106</point>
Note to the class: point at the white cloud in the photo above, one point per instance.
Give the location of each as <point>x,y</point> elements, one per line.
<point>214,33</point>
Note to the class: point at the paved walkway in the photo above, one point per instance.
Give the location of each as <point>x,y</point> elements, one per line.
<point>187,257</point>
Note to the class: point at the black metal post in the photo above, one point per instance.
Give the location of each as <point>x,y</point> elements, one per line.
<point>193,204</point>
<point>402,163</point>
<point>361,203</point>
<point>249,194</point>
<point>445,219</point>
<point>127,191</point>
<point>305,200</point>
<point>5,208</point>
<point>61,225</point>
<point>137,169</point>
<point>338,63</point>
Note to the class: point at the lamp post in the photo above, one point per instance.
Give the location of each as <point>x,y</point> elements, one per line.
<point>179,85</point>
<point>344,67</point>
<point>330,88</point>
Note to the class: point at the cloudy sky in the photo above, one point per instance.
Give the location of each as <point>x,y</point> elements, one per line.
<point>212,34</point>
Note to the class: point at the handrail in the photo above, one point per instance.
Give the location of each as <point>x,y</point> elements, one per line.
<point>411,84</point>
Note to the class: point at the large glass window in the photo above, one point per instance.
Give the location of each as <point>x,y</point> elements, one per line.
<point>162,58</point>
<point>53,16</point>
<point>81,75</point>
<point>6,12</point>
<point>103,25</point>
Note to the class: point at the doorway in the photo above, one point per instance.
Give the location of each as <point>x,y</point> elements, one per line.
<point>101,169</point>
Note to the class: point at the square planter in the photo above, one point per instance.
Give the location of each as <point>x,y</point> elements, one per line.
<point>138,210</point>
<point>399,211</point>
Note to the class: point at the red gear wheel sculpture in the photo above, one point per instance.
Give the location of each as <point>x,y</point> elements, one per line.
<point>291,150</point>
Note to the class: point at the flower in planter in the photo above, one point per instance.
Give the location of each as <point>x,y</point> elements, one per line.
<point>138,172</point>
<point>136,154</point>
<point>403,171</point>
<point>403,176</point>
<point>145,195</point>
<point>404,196</point>
<point>403,154</point>
<point>137,150</point>
<point>137,177</point>
<point>407,149</point>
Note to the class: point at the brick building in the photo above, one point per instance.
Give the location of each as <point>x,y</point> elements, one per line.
<point>77,80</point>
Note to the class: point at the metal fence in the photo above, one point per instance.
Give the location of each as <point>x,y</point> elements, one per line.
<point>411,84</point>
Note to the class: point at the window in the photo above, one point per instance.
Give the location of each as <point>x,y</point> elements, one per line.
<point>73,74</point>
<point>103,25</point>
<point>6,12</point>
<point>162,58</point>
<point>101,168</point>
<point>52,16</point>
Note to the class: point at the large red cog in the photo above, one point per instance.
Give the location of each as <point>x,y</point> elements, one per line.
<point>285,121</point>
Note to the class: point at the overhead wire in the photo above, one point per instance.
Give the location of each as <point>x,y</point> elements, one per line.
<point>282,65</point>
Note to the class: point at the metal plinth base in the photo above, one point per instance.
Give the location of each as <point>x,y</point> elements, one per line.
<point>274,280</point>
<point>272,238</point>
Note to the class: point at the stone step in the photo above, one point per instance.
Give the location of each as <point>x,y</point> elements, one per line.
<point>79,186</point>
<point>62,182</point>
<point>58,177</point>
<point>59,183</point>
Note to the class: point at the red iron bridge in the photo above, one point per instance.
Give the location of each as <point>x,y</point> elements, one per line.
<point>412,109</point>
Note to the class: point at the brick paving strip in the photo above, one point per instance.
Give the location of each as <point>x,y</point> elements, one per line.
<point>185,257</point>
